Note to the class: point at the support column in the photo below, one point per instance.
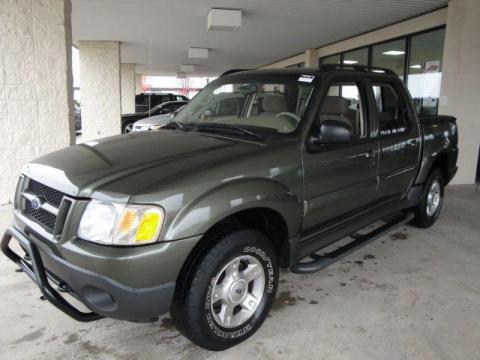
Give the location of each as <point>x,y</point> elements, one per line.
<point>138,83</point>
<point>36,90</point>
<point>127,76</point>
<point>311,58</point>
<point>459,95</point>
<point>100,88</point>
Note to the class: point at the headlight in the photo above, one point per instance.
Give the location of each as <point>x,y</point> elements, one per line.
<point>120,224</point>
<point>155,127</point>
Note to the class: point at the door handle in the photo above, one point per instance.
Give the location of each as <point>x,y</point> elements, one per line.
<point>365,155</point>
<point>412,143</point>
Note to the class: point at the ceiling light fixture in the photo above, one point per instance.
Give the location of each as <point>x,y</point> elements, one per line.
<point>197,53</point>
<point>350,62</point>
<point>224,19</point>
<point>417,66</point>
<point>394,52</point>
<point>187,68</point>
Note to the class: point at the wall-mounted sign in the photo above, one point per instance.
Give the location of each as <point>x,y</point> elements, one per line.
<point>432,66</point>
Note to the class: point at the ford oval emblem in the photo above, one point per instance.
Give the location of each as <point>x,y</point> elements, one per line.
<point>36,203</point>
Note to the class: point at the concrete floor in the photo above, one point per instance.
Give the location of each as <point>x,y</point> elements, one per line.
<point>413,294</point>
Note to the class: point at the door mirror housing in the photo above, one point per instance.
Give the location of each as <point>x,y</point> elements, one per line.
<point>335,132</point>
<point>330,132</point>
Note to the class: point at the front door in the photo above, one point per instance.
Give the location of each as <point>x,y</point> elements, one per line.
<point>340,178</point>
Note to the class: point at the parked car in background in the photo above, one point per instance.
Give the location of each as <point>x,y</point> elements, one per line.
<point>220,105</point>
<point>145,101</point>
<point>166,108</point>
<point>154,122</point>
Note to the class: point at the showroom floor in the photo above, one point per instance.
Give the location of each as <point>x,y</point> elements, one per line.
<point>414,294</point>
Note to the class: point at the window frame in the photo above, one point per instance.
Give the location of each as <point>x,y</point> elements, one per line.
<point>365,97</point>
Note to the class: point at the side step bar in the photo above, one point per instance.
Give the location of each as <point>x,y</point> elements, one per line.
<point>320,262</point>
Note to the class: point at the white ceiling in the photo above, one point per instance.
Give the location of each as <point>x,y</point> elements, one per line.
<point>271,29</point>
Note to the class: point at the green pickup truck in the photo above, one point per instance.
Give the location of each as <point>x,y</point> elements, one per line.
<point>198,217</point>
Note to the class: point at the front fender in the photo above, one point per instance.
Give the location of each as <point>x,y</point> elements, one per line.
<point>229,198</point>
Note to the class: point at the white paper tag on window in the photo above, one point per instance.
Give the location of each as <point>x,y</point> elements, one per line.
<point>306,78</point>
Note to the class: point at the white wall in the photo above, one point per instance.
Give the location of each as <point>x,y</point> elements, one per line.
<point>100,84</point>
<point>460,94</point>
<point>127,78</point>
<point>36,108</point>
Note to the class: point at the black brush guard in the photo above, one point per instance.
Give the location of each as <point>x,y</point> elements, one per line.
<point>37,272</point>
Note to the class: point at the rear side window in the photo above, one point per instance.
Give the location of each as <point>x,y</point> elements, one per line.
<point>390,111</point>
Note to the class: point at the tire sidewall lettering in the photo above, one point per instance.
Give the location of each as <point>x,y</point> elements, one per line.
<point>269,288</point>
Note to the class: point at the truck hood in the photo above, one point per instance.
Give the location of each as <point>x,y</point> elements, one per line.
<point>81,169</point>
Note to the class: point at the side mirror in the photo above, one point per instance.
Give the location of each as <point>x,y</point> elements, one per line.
<point>335,132</point>
<point>330,132</point>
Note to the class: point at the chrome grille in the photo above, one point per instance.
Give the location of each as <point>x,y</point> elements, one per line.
<point>41,216</point>
<point>52,196</point>
<point>42,204</point>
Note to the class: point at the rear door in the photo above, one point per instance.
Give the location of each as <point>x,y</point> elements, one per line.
<point>398,138</point>
<point>341,179</point>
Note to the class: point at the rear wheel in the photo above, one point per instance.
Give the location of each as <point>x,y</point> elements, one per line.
<point>431,202</point>
<point>225,295</point>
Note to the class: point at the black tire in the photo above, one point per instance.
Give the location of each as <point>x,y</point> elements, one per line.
<point>422,217</point>
<point>192,311</point>
<point>126,126</point>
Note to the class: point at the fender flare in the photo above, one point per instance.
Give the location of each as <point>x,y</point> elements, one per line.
<point>199,215</point>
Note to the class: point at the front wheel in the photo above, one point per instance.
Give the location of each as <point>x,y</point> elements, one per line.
<point>226,294</point>
<point>127,128</point>
<point>431,202</point>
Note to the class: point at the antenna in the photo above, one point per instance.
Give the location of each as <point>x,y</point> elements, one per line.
<point>150,74</point>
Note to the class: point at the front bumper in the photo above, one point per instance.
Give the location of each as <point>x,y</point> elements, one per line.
<point>104,296</point>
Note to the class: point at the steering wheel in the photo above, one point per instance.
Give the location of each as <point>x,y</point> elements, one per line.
<point>292,118</point>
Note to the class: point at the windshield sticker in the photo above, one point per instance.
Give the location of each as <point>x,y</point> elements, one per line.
<point>306,78</point>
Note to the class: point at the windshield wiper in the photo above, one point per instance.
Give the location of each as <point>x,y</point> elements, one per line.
<point>175,125</point>
<point>219,126</point>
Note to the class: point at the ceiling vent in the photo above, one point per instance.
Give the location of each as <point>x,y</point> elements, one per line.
<point>224,20</point>
<point>197,53</point>
<point>187,68</point>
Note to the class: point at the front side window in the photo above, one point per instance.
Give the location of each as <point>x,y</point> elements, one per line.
<point>255,106</point>
<point>343,104</point>
<point>390,114</point>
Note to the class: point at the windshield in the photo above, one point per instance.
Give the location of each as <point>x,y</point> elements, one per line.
<point>264,106</point>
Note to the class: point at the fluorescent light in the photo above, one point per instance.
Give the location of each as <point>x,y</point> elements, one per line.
<point>350,62</point>
<point>224,19</point>
<point>417,66</point>
<point>394,52</point>
<point>197,53</point>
